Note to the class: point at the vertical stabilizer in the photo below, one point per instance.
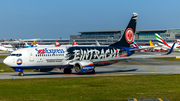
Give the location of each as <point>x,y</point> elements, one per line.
<point>97,43</point>
<point>161,41</point>
<point>151,43</point>
<point>74,43</point>
<point>136,46</point>
<point>57,44</point>
<point>128,36</point>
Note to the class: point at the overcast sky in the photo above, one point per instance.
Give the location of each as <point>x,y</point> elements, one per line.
<point>52,19</point>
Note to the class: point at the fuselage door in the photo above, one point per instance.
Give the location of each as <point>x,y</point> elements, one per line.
<point>31,57</point>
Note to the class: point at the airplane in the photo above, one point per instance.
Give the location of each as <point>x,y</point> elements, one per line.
<point>157,47</point>
<point>32,45</point>
<point>4,48</point>
<point>37,45</point>
<point>165,45</point>
<point>81,58</point>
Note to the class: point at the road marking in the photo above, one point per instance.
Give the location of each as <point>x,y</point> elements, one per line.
<point>134,99</point>
<point>146,65</point>
<point>160,99</point>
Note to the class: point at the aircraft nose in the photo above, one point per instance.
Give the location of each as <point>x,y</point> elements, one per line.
<point>6,61</point>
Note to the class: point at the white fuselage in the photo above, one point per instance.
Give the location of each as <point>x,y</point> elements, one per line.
<point>35,58</point>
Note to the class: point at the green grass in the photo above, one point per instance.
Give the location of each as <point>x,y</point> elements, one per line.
<point>168,58</point>
<point>5,67</point>
<point>8,69</point>
<point>92,88</point>
<point>3,56</point>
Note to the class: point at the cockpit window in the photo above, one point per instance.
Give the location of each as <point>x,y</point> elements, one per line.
<point>15,55</point>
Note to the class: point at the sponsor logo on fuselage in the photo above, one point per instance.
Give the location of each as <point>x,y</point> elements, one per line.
<point>129,35</point>
<point>19,61</point>
<point>46,50</point>
<point>94,53</point>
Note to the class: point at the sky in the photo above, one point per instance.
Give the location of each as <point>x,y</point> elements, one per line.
<point>52,19</point>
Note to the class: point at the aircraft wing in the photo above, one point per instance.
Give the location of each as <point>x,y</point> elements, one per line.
<point>131,57</point>
<point>136,49</point>
<point>126,58</point>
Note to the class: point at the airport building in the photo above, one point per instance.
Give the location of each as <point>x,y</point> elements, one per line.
<point>142,37</point>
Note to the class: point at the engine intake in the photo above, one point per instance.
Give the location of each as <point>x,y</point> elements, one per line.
<point>84,66</point>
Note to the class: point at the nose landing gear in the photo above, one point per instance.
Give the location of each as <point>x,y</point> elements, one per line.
<point>21,74</point>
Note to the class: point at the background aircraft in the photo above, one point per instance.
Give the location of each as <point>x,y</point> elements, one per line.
<point>165,45</point>
<point>4,48</point>
<point>143,48</point>
<point>57,44</point>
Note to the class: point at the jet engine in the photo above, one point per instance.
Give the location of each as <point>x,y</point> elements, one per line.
<point>84,66</point>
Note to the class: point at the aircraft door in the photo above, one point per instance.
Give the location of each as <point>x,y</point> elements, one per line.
<point>31,57</point>
<point>14,60</point>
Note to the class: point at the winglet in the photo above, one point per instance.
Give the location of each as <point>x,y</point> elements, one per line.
<point>171,49</point>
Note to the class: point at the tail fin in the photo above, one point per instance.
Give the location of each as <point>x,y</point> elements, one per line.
<point>128,36</point>
<point>74,43</point>
<point>35,43</point>
<point>161,41</point>
<point>32,45</point>
<point>151,43</point>
<point>27,45</point>
<point>178,40</point>
<point>136,46</point>
<point>57,44</point>
<point>97,43</point>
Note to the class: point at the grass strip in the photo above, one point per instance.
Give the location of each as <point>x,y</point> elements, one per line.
<point>168,58</point>
<point>92,88</point>
<point>6,68</point>
<point>3,56</point>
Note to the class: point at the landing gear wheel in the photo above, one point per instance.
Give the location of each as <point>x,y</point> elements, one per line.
<point>21,74</point>
<point>67,71</point>
<point>92,72</point>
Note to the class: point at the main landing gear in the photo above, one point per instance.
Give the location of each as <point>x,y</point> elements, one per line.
<point>21,74</point>
<point>92,72</point>
<point>67,71</point>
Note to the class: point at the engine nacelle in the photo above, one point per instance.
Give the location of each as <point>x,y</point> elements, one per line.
<point>84,66</point>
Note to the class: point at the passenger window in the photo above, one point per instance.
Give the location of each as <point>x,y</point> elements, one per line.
<point>15,55</point>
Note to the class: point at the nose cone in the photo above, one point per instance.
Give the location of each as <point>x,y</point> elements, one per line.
<point>6,61</point>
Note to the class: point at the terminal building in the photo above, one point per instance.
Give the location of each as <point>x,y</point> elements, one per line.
<point>142,37</point>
